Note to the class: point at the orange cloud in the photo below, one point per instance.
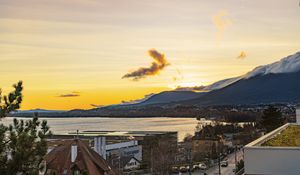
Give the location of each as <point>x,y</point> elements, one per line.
<point>221,22</point>
<point>159,63</point>
<point>73,94</point>
<point>242,55</point>
<point>179,76</point>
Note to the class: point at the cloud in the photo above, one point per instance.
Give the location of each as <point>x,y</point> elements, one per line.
<point>97,106</point>
<point>179,76</point>
<point>73,94</point>
<point>242,55</point>
<point>146,97</point>
<point>221,22</point>
<point>159,63</point>
<point>194,88</point>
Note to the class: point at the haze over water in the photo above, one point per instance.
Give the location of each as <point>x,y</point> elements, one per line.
<point>64,125</point>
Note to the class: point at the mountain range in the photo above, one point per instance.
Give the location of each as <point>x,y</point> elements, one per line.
<point>278,82</point>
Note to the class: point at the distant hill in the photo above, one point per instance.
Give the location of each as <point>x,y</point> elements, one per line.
<point>171,96</point>
<point>38,111</point>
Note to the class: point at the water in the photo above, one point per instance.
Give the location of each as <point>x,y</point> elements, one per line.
<point>63,125</point>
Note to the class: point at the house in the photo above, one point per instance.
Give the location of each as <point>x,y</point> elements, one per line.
<point>75,157</point>
<point>276,153</point>
<point>130,163</point>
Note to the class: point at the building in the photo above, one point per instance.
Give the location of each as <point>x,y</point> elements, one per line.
<point>74,157</point>
<point>206,144</point>
<point>147,147</point>
<point>276,153</point>
<point>131,163</point>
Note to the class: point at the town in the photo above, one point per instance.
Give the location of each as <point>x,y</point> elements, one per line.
<point>215,148</point>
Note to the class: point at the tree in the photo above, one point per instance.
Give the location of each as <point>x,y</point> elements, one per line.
<point>23,143</point>
<point>272,118</point>
<point>240,165</point>
<point>163,158</point>
<point>12,101</point>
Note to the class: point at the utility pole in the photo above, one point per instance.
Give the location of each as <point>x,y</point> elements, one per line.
<point>219,157</point>
<point>151,152</point>
<point>235,157</point>
<point>219,164</point>
<point>235,147</point>
<point>190,157</point>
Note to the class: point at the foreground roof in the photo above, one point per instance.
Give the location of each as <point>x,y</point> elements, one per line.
<point>59,160</point>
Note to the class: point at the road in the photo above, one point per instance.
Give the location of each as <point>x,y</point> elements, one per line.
<point>224,170</point>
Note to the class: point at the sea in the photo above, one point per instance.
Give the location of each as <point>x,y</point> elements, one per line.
<point>183,126</point>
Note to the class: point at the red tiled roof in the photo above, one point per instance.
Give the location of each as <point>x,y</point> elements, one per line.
<point>59,160</point>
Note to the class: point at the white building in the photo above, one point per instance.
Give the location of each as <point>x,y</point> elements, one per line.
<point>132,164</point>
<point>273,160</point>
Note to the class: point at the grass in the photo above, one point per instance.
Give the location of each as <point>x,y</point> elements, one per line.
<point>290,137</point>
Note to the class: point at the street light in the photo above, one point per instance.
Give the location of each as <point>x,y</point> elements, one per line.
<point>190,157</point>
<point>219,157</point>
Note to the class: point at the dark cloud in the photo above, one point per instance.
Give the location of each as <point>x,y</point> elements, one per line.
<point>96,106</point>
<point>73,94</point>
<point>147,96</point>
<point>194,88</point>
<point>159,63</point>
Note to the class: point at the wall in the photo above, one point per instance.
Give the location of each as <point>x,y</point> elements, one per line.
<point>298,116</point>
<point>275,161</point>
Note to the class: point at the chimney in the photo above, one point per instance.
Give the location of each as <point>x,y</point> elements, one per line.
<point>100,146</point>
<point>298,116</point>
<point>73,152</point>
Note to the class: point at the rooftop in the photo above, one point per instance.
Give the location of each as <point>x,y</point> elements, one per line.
<point>289,137</point>
<point>59,160</point>
<point>119,133</point>
<point>284,137</point>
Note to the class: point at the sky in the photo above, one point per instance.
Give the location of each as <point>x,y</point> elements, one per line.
<point>76,54</point>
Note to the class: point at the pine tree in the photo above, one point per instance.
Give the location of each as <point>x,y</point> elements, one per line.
<point>272,118</point>
<point>12,101</point>
<point>23,143</point>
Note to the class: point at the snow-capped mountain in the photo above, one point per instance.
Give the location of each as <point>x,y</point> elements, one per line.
<point>220,84</point>
<point>285,65</point>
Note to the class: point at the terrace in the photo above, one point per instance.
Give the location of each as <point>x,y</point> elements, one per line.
<point>287,138</point>
<point>276,153</point>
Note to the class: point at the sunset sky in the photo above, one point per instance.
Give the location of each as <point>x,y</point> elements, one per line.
<point>74,53</point>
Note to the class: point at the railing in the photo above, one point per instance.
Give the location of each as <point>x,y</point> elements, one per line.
<point>270,135</point>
